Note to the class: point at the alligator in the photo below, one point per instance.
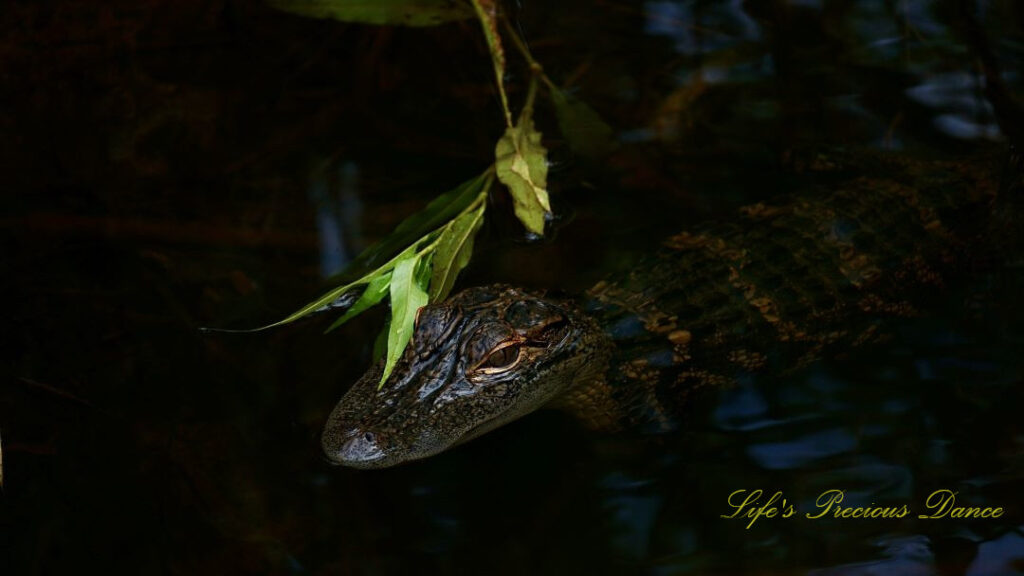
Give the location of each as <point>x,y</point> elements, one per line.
<point>790,281</point>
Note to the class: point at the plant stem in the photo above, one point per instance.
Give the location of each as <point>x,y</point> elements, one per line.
<point>488,20</point>
<point>535,68</point>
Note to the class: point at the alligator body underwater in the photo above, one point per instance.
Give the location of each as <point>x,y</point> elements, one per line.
<point>783,285</point>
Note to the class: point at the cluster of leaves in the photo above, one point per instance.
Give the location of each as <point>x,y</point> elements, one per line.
<point>419,262</point>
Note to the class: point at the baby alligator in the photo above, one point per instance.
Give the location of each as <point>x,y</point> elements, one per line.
<point>786,284</point>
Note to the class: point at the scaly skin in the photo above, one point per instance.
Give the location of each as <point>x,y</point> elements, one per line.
<point>787,283</point>
<point>442,391</point>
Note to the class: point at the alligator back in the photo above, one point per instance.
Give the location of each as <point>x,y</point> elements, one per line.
<point>787,282</point>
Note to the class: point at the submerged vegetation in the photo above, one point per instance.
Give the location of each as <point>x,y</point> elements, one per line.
<point>422,258</point>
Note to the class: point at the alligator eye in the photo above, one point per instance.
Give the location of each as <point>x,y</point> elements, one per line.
<point>501,359</point>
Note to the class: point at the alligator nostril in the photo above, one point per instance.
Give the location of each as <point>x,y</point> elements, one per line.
<point>358,449</point>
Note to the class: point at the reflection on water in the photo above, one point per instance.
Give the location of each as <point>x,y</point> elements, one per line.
<point>334,193</point>
<point>701,30</point>
<point>961,110</point>
<point>935,410</point>
<point>159,157</point>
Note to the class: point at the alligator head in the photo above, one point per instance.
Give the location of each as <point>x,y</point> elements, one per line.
<point>477,361</point>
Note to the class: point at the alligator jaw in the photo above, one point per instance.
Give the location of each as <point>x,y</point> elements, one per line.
<point>360,449</point>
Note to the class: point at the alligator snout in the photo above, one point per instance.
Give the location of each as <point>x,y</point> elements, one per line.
<point>356,448</point>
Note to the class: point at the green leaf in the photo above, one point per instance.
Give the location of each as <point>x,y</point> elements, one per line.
<point>588,135</point>
<point>454,249</point>
<point>381,258</point>
<point>436,214</point>
<point>422,273</point>
<point>375,291</point>
<point>397,12</point>
<point>522,165</point>
<point>320,304</point>
<point>407,297</point>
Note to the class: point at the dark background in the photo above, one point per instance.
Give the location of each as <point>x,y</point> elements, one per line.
<point>169,165</point>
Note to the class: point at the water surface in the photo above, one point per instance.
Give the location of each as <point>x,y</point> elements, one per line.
<point>187,164</point>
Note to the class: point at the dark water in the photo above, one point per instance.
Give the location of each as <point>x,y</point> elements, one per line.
<point>170,165</point>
